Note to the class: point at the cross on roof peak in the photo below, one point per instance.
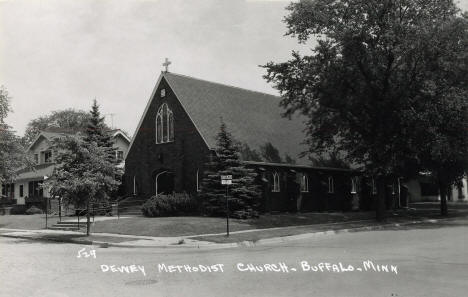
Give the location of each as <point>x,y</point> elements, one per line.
<point>166,64</point>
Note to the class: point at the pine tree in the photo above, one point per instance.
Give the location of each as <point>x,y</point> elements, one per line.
<point>97,134</point>
<point>96,131</point>
<point>243,194</point>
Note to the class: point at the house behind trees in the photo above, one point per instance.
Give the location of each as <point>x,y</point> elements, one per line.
<point>26,187</point>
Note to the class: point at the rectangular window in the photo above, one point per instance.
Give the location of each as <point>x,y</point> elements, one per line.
<point>47,157</point>
<point>119,156</point>
<point>36,158</point>
<point>8,190</point>
<point>35,189</point>
<point>21,191</point>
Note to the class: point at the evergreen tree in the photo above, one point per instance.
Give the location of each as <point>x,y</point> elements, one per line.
<point>97,131</point>
<point>243,195</point>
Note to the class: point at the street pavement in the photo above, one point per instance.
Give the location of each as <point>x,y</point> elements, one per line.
<point>427,260</point>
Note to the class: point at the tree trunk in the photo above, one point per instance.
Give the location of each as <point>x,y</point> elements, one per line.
<point>87,218</point>
<point>443,199</point>
<point>380,208</point>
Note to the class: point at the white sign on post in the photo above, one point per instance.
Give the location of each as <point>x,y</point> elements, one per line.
<point>226,179</point>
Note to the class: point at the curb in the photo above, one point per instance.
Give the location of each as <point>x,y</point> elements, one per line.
<point>212,245</point>
<point>289,238</point>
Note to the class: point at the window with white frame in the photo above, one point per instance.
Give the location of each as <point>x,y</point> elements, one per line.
<point>276,182</point>
<point>163,93</point>
<point>331,185</point>
<point>304,183</point>
<point>164,124</point>
<point>36,158</point>
<point>354,182</point>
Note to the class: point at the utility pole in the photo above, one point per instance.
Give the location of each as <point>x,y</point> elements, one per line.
<point>112,119</point>
<point>227,211</point>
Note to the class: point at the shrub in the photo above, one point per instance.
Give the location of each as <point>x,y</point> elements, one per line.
<point>18,209</point>
<point>168,205</point>
<point>33,210</point>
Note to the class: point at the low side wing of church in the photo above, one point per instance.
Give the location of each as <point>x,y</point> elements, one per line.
<point>177,134</point>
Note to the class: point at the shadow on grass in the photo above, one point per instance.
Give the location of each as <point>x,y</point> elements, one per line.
<point>52,239</point>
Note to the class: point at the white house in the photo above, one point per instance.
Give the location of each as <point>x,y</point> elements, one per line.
<point>26,187</point>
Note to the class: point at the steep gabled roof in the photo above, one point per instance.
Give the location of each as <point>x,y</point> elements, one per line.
<point>252,117</point>
<point>116,132</point>
<point>50,136</point>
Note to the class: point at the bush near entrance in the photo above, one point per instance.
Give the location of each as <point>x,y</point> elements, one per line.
<point>33,210</point>
<point>169,205</point>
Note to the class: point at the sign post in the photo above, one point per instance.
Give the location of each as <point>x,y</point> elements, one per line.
<point>227,180</point>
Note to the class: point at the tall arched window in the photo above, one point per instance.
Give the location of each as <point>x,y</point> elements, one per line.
<point>354,182</point>
<point>304,183</point>
<point>198,181</point>
<point>374,187</point>
<point>276,182</point>
<point>164,124</point>
<point>331,186</point>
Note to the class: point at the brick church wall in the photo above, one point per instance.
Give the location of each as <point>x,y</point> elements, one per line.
<point>183,156</point>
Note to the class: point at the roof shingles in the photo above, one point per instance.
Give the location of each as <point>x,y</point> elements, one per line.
<point>252,117</point>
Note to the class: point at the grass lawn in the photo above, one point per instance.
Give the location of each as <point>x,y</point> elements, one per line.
<point>190,226</point>
<point>288,231</point>
<point>30,222</point>
<point>168,226</point>
<point>185,226</point>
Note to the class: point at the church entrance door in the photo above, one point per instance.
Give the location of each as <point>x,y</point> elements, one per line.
<point>163,182</point>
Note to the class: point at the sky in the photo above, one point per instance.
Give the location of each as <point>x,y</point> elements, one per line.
<point>59,54</point>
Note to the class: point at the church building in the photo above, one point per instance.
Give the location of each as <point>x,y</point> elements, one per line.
<point>176,136</point>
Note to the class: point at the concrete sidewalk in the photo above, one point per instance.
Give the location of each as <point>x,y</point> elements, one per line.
<point>211,241</point>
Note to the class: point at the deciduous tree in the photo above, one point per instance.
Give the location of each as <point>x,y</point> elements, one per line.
<point>12,153</point>
<point>83,173</point>
<point>68,121</point>
<point>375,78</point>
